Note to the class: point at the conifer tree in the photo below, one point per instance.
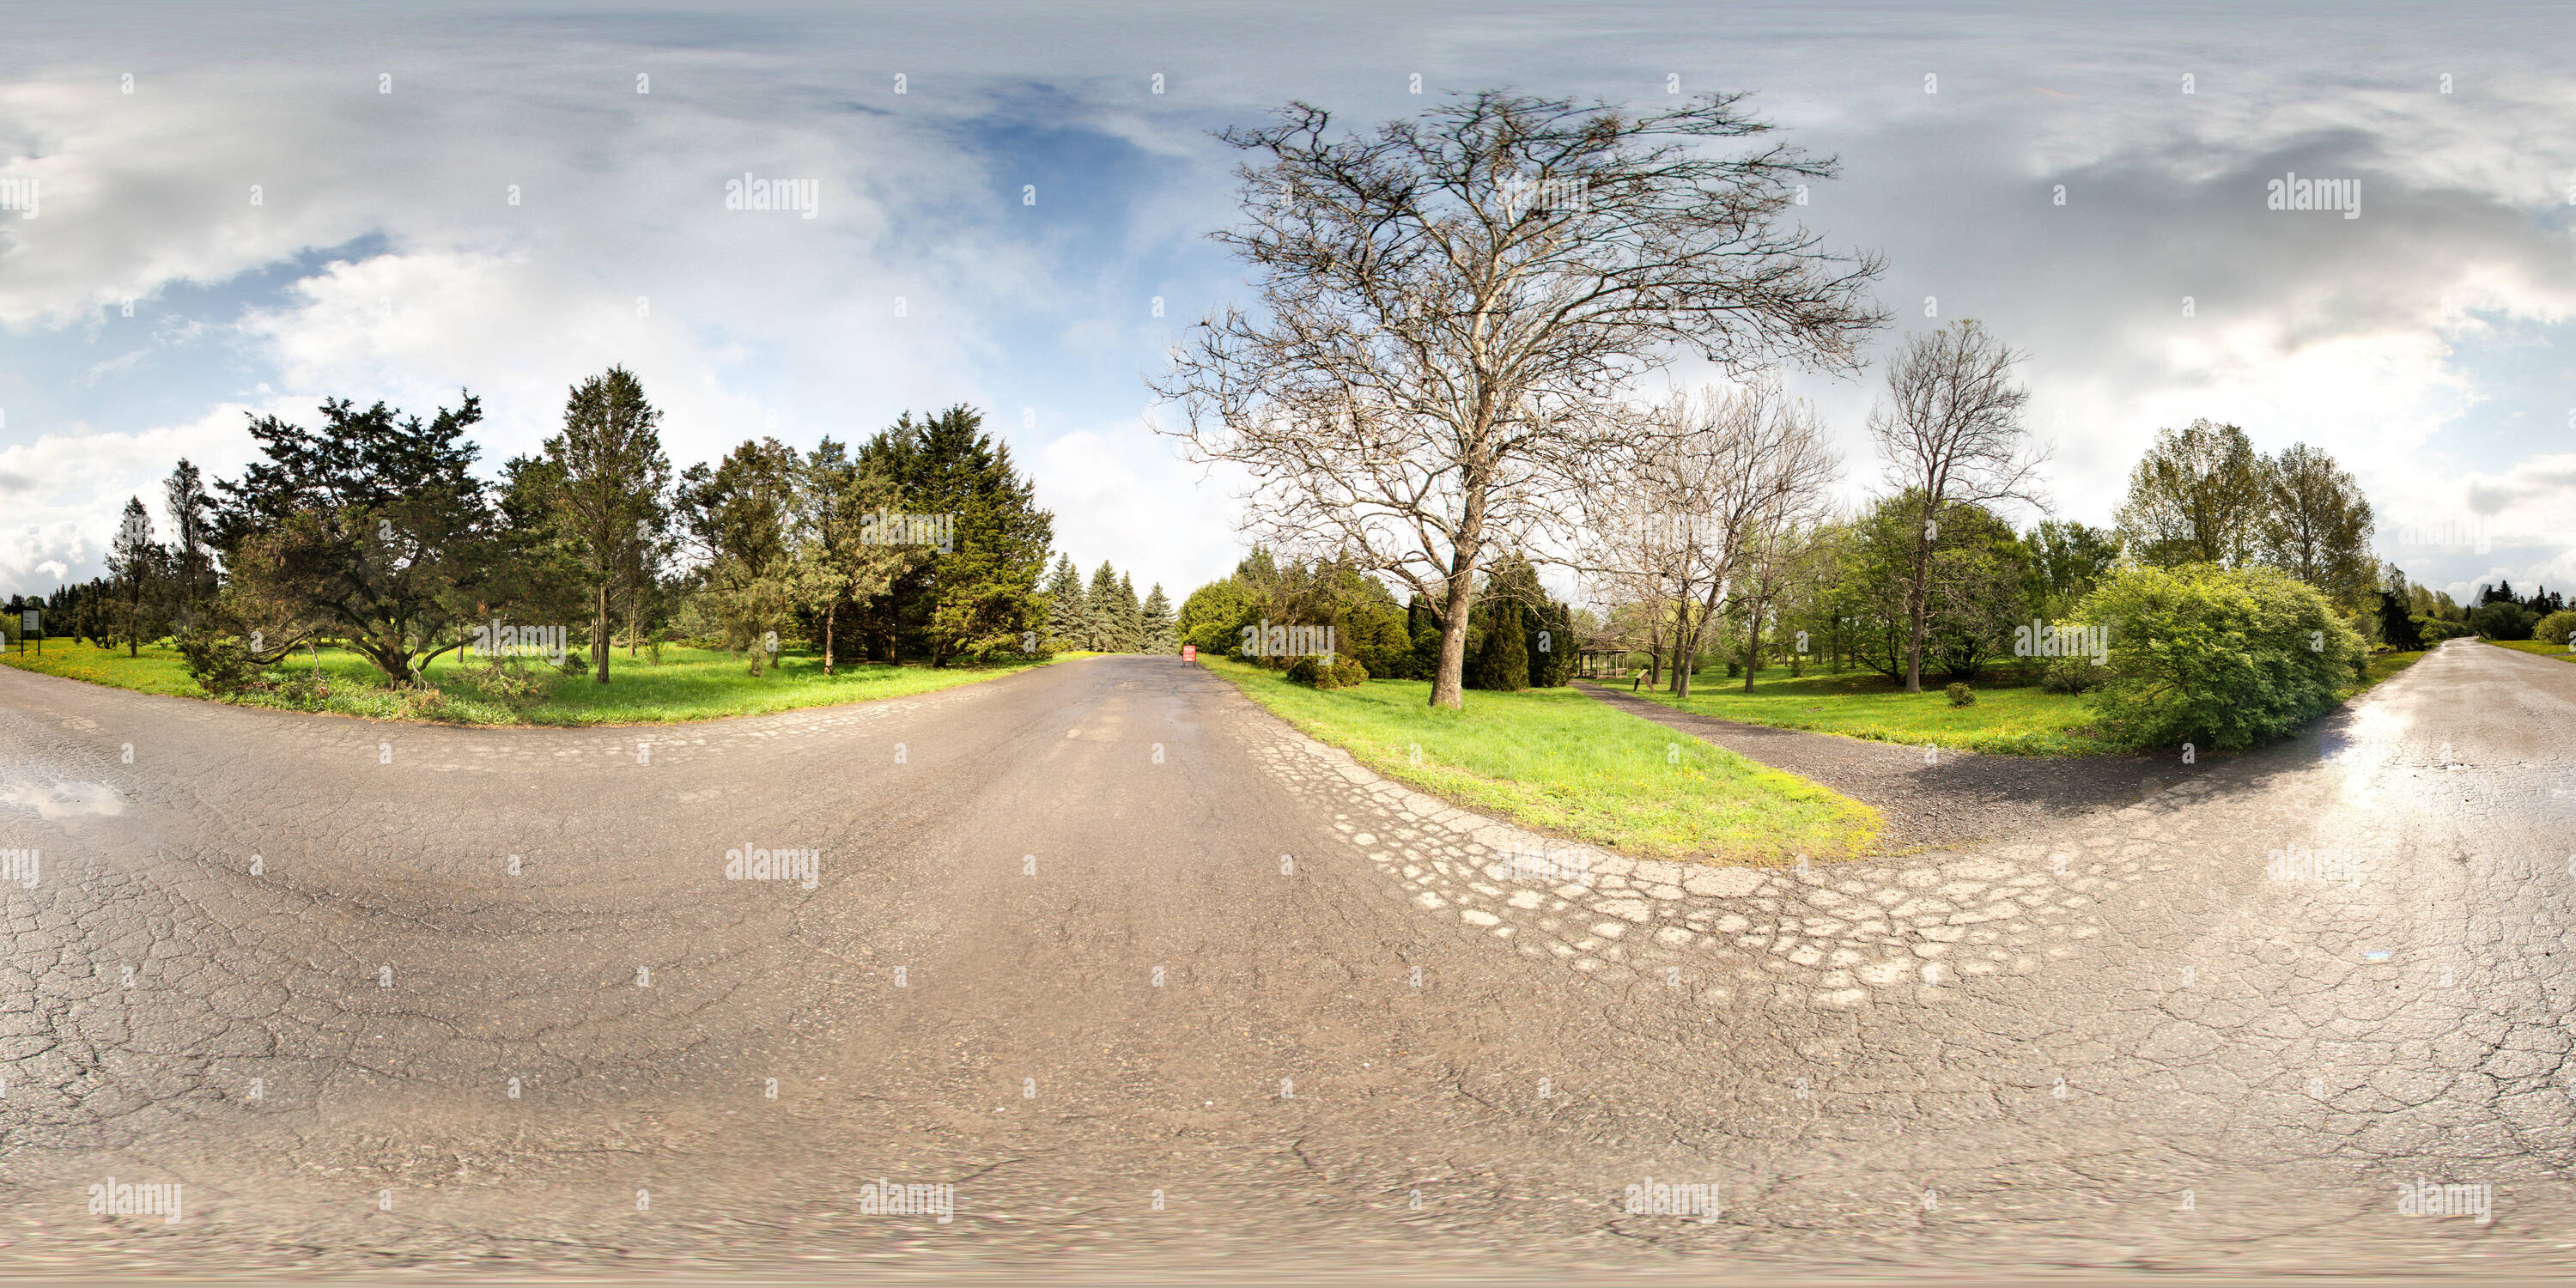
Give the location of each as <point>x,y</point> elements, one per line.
<point>1159,637</point>
<point>1102,630</point>
<point>1068,612</point>
<point>1504,663</point>
<point>1131,618</point>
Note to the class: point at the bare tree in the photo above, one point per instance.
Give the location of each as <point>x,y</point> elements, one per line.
<point>1724,469</point>
<point>1450,303</point>
<point>1952,436</point>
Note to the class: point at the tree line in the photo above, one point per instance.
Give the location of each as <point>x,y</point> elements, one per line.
<point>1106,618</point>
<point>369,530</point>
<point>1518,637</point>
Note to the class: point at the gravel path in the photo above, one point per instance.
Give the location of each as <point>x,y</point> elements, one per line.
<point>1960,799</point>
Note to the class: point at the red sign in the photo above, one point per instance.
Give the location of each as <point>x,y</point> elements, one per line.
<point>1189,652</point>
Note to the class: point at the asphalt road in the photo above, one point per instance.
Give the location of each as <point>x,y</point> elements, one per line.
<point>1161,988</point>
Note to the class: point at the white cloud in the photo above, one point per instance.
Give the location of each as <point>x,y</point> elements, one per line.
<point>61,493</point>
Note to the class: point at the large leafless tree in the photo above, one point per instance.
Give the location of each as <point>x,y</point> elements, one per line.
<point>1952,435</point>
<point>1722,470</point>
<point>1448,306</point>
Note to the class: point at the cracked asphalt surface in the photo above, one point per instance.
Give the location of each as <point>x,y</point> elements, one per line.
<point>1163,988</point>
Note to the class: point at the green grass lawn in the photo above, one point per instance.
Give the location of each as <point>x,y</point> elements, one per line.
<point>1557,761</point>
<point>687,684</point>
<point>2006,719</point>
<point>2538,648</point>
<point>2016,721</point>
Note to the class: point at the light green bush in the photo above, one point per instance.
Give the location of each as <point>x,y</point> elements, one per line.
<point>2558,628</point>
<point>2225,658</point>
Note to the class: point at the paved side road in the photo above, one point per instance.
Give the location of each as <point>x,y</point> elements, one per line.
<point>1160,987</point>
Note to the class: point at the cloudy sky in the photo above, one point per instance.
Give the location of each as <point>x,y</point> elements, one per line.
<point>504,198</point>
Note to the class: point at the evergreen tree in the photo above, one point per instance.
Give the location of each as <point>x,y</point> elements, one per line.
<point>1158,623</point>
<point>1422,623</point>
<point>134,563</point>
<point>1101,633</point>
<point>1551,645</point>
<point>1503,664</point>
<point>1131,618</point>
<point>978,598</point>
<point>192,564</point>
<point>1068,612</point>
<point>2396,629</point>
<point>610,477</point>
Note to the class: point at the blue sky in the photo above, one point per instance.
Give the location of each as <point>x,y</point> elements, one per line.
<point>2427,344</point>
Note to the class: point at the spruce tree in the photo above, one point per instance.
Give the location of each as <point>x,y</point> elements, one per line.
<point>1131,617</point>
<point>1102,630</point>
<point>1158,623</point>
<point>1068,612</point>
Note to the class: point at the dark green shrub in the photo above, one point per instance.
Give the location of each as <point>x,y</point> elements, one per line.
<point>1502,664</point>
<point>1340,673</point>
<point>2503,620</point>
<point>2558,628</point>
<point>2221,657</point>
<point>511,682</point>
<point>1961,695</point>
<point>2396,629</point>
<point>2071,675</point>
<point>221,666</point>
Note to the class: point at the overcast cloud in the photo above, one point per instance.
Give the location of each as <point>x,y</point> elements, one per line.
<point>999,232</point>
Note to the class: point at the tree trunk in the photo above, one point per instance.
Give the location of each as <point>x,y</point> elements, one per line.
<point>599,641</point>
<point>1752,644</point>
<point>829,612</point>
<point>631,631</point>
<point>1655,643</point>
<point>1918,603</point>
<point>1448,683</point>
<point>1685,650</point>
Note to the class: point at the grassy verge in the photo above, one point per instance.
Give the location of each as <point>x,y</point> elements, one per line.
<point>2006,719</point>
<point>2384,665</point>
<point>687,684</point>
<point>2537,648</point>
<point>1557,761</point>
